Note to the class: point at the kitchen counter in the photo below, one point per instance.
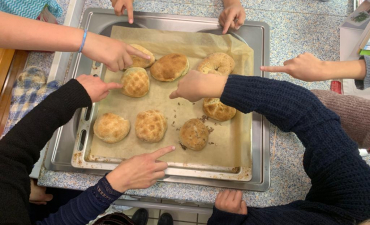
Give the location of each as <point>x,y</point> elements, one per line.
<point>296,27</point>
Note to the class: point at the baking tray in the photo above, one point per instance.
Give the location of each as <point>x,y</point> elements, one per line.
<point>257,34</point>
<point>239,168</point>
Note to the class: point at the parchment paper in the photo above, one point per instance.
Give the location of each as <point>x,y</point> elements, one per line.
<point>226,141</point>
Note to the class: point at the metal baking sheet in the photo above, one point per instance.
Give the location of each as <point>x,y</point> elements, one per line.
<point>228,152</point>
<point>256,34</point>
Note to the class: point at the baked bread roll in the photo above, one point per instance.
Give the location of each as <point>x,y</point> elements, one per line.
<point>150,126</point>
<point>217,63</point>
<point>140,62</point>
<point>194,135</point>
<point>215,109</point>
<point>170,67</point>
<point>135,82</point>
<point>111,128</point>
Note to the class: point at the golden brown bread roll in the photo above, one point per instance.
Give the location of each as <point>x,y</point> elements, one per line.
<point>111,128</point>
<point>217,63</point>
<point>215,109</point>
<point>140,62</point>
<point>194,135</point>
<point>170,67</point>
<point>135,82</point>
<point>150,126</point>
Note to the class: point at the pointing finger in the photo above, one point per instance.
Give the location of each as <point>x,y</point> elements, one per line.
<point>133,51</point>
<point>161,152</point>
<point>113,85</point>
<point>274,68</point>
<point>130,13</point>
<point>174,95</point>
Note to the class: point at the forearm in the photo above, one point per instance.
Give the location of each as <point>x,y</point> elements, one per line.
<point>228,3</point>
<point>354,113</point>
<point>22,33</point>
<point>87,206</point>
<point>20,147</point>
<point>345,69</point>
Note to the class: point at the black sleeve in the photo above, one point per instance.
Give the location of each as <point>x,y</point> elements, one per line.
<point>20,148</point>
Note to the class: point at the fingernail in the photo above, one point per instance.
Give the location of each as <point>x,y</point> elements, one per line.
<point>148,56</point>
<point>173,147</point>
<point>131,21</point>
<point>237,28</point>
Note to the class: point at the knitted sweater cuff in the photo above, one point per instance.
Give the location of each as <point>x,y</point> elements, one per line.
<point>104,192</point>
<point>363,84</point>
<point>222,217</point>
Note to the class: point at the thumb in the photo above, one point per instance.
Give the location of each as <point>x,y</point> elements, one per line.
<point>174,95</point>
<point>243,208</point>
<point>48,197</point>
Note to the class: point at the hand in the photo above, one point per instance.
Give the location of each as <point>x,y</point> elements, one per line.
<point>113,53</point>
<point>38,195</point>
<point>140,171</point>
<point>120,6</point>
<point>231,201</point>
<point>304,67</point>
<point>233,16</point>
<point>196,85</point>
<point>95,87</point>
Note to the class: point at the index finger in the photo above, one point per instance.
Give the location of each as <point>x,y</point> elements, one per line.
<point>161,152</point>
<point>133,51</point>
<point>274,68</point>
<point>130,13</point>
<point>174,95</point>
<point>112,85</point>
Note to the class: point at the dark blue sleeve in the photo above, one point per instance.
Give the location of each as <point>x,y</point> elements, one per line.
<point>85,207</point>
<point>339,176</point>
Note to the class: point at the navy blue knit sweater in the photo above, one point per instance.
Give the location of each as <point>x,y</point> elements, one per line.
<point>340,192</point>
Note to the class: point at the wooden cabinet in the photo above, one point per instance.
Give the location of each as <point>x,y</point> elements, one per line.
<point>12,63</point>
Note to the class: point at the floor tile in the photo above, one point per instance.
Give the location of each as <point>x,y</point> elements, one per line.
<point>203,218</point>
<point>182,216</point>
<point>152,222</point>
<point>153,213</point>
<point>182,223</point>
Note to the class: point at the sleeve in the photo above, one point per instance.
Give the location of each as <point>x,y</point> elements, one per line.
<point>20,148</point>
<point>85,207</point>
<point>221,218</point>
<point>363,84</point>
<point>339,176</point>
<point>354,113</point>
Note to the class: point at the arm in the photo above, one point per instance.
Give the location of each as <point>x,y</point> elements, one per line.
<point>22,33</point>
<point>354,113</point>
<point>309,68</point>
<point>20,148</point>
<point>232,16</point>
<point>340,178</point>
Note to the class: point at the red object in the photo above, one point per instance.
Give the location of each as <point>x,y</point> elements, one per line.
<point>336,86</point>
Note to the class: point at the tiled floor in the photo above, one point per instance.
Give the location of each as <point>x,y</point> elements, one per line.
<point>180,218</point>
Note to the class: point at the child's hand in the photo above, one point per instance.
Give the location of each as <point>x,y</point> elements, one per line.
<point>231,201</point>
<point>304,67</point>
<point>233,16</point>
<point>38,195</point>
<point>140,171</point>
<point>196,85</point>
<point>113,53</point>
<point>120,6</point>
<point>95,87</point>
